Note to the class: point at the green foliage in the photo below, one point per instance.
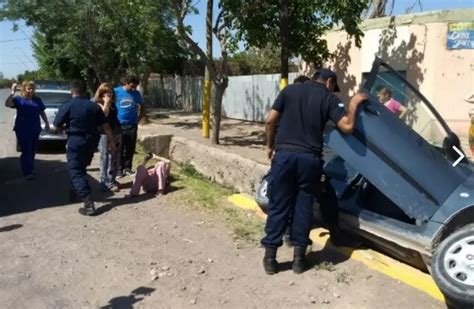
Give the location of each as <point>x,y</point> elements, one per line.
<point>100,40</point>
<point>256,61</point>
<point>257,22</point>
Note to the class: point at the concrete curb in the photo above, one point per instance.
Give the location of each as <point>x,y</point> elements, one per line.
<point>227,169</point>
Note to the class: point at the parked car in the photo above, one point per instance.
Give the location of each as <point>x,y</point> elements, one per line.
<point>402,184</point>
<point>53,96</point>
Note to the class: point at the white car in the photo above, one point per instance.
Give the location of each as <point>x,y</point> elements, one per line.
<point>52,100</point>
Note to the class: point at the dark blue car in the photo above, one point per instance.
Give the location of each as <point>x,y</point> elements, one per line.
<point>401,181</point>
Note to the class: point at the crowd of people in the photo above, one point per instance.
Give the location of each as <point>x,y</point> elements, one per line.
<point>108,121</point>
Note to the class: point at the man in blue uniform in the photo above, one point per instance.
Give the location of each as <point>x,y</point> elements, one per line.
<point>128,102</point>
<point>82,119</point>
<point>301,111</point>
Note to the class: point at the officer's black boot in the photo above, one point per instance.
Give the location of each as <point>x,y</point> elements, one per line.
<point>89,207</point>
<point>269,261</point>
<point>299,260</point>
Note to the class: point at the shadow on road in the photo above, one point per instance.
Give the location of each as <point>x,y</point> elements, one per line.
<point>127,302</point>
<point>49,189</point>
<point>10,227</point>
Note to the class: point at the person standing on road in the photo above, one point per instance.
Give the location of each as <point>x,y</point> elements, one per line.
<point>301,111</point>
<point>27,127</point>
<point>108,161</point>
<point>82,118</point>
<point>128,102</point>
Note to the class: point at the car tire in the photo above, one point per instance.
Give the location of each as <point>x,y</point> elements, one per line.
<point>261,195</point>
<point>452,267</point>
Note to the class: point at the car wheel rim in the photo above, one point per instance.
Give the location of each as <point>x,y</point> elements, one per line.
<point>459,261</point>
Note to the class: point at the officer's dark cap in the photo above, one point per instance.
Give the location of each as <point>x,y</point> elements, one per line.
<point>326,73</point>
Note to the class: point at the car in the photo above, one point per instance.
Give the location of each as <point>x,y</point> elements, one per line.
<point>53,95</point>
<point>403,183</point>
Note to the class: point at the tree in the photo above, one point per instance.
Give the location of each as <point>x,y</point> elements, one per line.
<point>257,61</point>
<point>258,23</point>
<point>100,40</point>
<point>219,76</point>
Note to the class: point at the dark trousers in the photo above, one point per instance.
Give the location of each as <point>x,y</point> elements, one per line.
<point>28,141</point>
<point>79,153</point>
<point>127,147</point>
<point>291,188</point>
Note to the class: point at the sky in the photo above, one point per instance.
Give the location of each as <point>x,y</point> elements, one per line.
<point>16,53</point>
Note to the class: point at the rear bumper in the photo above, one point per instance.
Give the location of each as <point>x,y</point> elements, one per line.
<point>47,136</point>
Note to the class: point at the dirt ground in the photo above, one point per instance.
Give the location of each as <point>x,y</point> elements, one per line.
<point>155,253</point>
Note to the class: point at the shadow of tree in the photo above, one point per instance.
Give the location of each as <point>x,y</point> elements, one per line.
<point>347,82</point>
<point>127,302</point>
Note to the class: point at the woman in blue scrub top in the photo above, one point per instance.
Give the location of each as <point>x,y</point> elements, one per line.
<point>27,127</point>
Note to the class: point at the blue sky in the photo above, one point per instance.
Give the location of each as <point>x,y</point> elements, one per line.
<point>16,54</point>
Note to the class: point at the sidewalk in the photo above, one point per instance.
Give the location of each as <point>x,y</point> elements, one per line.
<point>243,138</point>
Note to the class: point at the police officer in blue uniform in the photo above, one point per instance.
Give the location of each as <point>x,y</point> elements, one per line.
<point>82,118</point>
<point>301,111</point>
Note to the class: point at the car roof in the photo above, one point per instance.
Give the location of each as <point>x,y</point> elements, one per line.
<point>52,91</point>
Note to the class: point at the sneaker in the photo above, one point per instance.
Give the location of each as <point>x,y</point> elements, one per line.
<point>120,174</point>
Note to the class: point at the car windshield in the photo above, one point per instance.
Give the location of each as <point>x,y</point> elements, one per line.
<point>54,98</point>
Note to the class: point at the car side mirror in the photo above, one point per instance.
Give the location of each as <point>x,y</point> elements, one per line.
<point>449,141</point>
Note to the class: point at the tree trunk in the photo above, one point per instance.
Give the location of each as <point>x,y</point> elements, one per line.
<point>284,37</point>
<point>217,111</point>
<point>144,85</point>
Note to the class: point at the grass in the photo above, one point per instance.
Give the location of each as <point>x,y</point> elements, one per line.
<point>202,194</point>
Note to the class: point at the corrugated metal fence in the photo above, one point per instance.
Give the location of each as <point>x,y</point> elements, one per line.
<point>246,97</point>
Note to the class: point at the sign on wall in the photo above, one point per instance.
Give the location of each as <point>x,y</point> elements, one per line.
<point>461,35</point>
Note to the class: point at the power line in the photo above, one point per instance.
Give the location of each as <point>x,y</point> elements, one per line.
<point>14,40</point>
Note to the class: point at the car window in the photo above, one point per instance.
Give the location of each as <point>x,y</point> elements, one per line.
<point>394,93</point>
<point>54,98</point>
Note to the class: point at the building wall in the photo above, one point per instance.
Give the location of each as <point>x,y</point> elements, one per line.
<point>416,44</point>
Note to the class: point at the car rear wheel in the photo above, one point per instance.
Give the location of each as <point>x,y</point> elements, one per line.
<point>453,267</point>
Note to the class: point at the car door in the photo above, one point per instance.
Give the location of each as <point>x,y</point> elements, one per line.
<point>408,159</point>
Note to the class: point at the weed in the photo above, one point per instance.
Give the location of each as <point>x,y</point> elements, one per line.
<point>327,266</point>
<point>343,277</point>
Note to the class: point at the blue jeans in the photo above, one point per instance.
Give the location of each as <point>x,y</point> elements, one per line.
<point>108,163</point>
<point>28,140</point>
<point>291,187</point>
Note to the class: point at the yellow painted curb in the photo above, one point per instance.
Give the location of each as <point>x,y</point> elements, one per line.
<point>384,264</point>
<point>246,202</point>
<point>372,259</point>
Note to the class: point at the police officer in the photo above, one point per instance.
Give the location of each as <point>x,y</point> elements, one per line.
<point>82,118</point>
<point>301,111</point>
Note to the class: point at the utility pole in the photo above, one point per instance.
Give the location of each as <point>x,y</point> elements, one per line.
<point>284,37</point>
<point>206,106</point>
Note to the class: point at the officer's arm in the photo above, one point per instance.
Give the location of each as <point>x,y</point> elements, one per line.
<point>270,125</point>
<point>61,116</point>
<point>347,122</point>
